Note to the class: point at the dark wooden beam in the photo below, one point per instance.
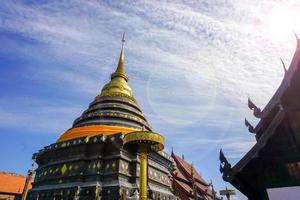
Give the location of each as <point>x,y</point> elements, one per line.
<point>294,125</point>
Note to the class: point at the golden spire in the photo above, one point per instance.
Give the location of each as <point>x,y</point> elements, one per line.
<point>120,71</point>
<point>118,86</point>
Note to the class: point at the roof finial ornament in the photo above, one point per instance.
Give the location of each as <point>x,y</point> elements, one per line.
<point>298,40</point>
<point>225,166</point>
<point>285,70</point>
<point>256,110</point>
<point>249,126</point>
<point>120,71</point>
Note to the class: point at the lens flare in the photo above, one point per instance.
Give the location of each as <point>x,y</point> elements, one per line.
<point>281,22</point>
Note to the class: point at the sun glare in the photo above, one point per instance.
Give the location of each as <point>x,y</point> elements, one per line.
<point>281,22</point>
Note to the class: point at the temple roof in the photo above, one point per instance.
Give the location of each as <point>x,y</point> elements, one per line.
<point>185,176</point>
<point>283,95</point>
<point>278,140</point>
<point>12,183</point>
<point>186,168</point>
<point>114,107</point>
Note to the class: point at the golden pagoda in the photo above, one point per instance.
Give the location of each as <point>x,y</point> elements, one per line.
<point>110,152</point>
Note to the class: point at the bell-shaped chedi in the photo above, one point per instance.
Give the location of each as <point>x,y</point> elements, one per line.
<point>91,160</point>
<point>114,110</point>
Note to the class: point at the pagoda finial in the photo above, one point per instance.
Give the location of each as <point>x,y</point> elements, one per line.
<point>120,71</point>
<point>118,85</point>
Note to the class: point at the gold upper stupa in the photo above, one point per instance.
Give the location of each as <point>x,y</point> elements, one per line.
<point>118,86</point>
<point>114,110</point>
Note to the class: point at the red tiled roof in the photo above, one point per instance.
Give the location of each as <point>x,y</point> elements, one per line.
<point>11,183</point>
<point>189,190</point>
<point>188,168</point>
<point>204,189</point>
<point>184,186</point>
<point>178,174</point>
<point>182,177</point>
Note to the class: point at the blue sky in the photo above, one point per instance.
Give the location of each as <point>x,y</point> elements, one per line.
<point>192,66</point>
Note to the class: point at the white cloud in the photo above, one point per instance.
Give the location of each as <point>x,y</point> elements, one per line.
<point>186,54</point>
<point>174,36</point>
<point>192,64</point>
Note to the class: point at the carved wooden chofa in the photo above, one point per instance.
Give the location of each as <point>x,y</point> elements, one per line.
<point>251,129</point>
<point>225,166</point>
<point>256,110</point>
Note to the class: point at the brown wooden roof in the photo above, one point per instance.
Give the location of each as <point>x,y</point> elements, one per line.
<point>185,187</point>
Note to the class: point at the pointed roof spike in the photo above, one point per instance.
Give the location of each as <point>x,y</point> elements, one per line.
<point>285,70</point>
<point>120,71</point>
<point>298,40</point>
<point>296,36</point>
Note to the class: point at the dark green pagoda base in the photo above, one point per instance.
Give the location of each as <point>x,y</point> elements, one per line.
<point>98,167</point>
